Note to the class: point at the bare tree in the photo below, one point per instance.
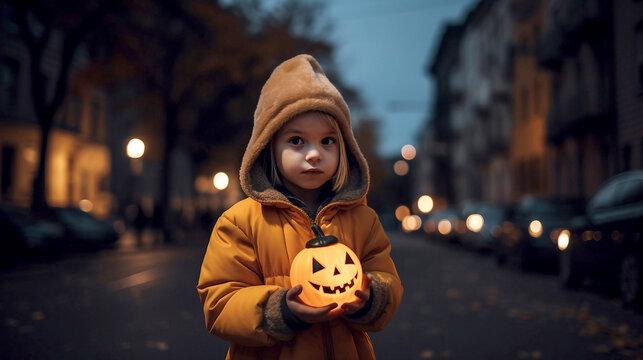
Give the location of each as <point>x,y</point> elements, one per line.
<point>38,20</point>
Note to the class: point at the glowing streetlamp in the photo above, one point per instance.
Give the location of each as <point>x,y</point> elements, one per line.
<point>401,212</point>
<point>408,152</point>
<point>401,168</point>
<point>425,203</point>
<point>135,148</point>
<point>220,180</point>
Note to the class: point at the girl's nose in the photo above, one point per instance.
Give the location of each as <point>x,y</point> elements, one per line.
<point>313,155</point>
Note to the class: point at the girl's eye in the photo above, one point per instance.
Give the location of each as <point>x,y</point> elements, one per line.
<point>328,141</point>
<point>296,140</point>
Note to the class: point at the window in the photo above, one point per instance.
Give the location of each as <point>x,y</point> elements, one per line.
<point>8,158</point>
<point>639,55</point>
<point>524,104</point>
<point>626,157</point>
<point>74,113</point>
<point>94,122</point>
<point>537,97</point>
<point>523,177</point>
<point>9,69</point>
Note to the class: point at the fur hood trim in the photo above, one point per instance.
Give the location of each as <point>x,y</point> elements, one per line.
<point>296,86</point>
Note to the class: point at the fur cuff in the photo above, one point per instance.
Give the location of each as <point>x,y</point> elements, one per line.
<point>273,321</point>
<point>378,301</point>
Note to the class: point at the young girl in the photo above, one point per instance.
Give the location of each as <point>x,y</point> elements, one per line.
<point>302,168</point>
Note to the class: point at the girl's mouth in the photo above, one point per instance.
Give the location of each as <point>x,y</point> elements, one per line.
<point>313,171</point>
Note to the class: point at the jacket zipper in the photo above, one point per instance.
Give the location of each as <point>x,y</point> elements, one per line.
<point>328,341</point>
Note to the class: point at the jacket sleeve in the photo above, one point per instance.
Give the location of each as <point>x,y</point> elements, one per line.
<point>231,287</point>
<point>386,287</point>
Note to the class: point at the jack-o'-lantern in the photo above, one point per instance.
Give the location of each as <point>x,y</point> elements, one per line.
<point>328,271</point>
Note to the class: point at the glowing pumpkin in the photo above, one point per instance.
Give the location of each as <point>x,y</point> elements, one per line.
<point>328,271</point>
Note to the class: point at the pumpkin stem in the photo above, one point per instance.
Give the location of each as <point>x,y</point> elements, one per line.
<point>321,240</point>
<point>318,231</point>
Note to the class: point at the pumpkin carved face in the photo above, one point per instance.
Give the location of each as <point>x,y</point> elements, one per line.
<point>328,271</point>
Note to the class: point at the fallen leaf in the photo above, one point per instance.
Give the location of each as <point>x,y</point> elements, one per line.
<point>446,354</point>
<point>453,293</point>
<point>37,315</point>
<point>536,354</point>
<point>618,342</point>
<point>602,349</point>
<point>162,346</point>
<point>426,354</point>
<point>623,329</point>
<point>476,306</point>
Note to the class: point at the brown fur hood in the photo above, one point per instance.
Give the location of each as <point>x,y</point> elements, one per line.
<point>294,87</point>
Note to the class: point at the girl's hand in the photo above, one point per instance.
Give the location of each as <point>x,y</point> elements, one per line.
<point>307,313</point>
<point>362,296</point>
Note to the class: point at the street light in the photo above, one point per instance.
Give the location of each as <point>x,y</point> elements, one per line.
<point>401,168</point>
<point>135,148</point>
<point>220,180</point>
<point>425,203</point>
<point>408,152</point>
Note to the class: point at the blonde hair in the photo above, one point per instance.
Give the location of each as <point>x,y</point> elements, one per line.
<point>341,174</point>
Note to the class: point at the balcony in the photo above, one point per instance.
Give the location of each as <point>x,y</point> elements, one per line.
<point>576,115</point>
<point>569,24</point>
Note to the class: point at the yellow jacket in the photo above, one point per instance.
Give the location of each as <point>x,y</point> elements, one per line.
<point>245,271</point>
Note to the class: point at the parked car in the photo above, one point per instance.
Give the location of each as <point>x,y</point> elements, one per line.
<point>605,242</point>
<point>530,233</point>
<point>483,221</point>
<point>83,231</point>
<point>24,234</point>
<point>446,224</point>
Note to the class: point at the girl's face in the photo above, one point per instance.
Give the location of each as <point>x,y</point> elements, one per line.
<point>306,153</point>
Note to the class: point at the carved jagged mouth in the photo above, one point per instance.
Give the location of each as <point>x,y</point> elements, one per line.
<point>337,289</point>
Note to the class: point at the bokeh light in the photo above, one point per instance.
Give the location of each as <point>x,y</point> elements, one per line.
<point>563,240</point>
<point>535,228</point>
<point>411,223</point>
<point>85,205</point>
<point>221,180</point>
<point>202,184</point>
<point>425,203</point>
<point>475,222</point>
<point>135,148</point>
<point>401,212</point>
<point>444,227</point>
<point>401,167</point>
<point>408,152</point>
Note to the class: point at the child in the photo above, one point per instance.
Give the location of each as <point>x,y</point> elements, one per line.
<point>302,167</point>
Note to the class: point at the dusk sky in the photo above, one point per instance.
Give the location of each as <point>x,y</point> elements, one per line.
<point>383,47</point>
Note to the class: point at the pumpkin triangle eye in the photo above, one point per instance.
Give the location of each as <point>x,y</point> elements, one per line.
<point>317,266</point>
<point>336,271</point>
<point>349,260</point>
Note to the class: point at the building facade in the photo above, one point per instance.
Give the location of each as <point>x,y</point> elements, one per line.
<point>628,46</point>
<point>577,47</point>
<point>78,162</point>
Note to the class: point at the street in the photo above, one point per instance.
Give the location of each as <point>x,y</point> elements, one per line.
<point>456,305</point>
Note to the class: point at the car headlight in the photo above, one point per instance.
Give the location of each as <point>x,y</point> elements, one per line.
<point>444,227</point>
<point>535,228</point>
<point>563,239</point>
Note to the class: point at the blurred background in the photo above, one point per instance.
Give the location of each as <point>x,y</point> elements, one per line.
<point>504,137</point>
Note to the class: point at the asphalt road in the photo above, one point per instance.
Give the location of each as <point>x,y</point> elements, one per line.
<point>457,305</point>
